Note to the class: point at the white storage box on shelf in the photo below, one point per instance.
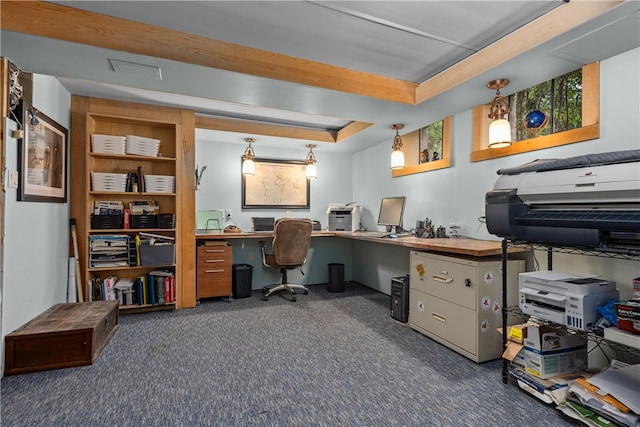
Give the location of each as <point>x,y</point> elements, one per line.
<point>108,144</point>
<point>159,183</point>
<point>108,181</point>
<point>141,146</point>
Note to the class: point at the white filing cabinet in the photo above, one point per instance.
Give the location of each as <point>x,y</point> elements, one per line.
<point>457,301</point>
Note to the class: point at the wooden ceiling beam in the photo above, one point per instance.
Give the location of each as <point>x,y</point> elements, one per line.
<point>78,26</point>
<point>547,27</point>
<point>268,129</point>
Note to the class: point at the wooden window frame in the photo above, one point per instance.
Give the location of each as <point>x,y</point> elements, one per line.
<point>443,163</point>
<point>590,124</point>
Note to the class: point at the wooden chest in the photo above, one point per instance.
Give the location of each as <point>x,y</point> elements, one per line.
<point>66,335</point>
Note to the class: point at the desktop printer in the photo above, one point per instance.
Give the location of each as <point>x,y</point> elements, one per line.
<point>590,201</point>
<point>565,299</point>
<point>343,217</point>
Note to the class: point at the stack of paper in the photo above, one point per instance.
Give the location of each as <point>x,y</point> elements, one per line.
<point>108,144</point>
<point>108,181</point>
<point>142,146</point>
<point>159,183</point>
<point>109,251</point>
<point>612,394</point>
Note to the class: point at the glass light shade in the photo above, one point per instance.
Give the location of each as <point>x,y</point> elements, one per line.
<point>248,167</point>
<point>499,133</point>
<point>311,171</point>
<point>397,159</point>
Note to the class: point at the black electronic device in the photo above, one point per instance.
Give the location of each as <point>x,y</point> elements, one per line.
<point>400,298</point>
<point>391,213</point>
<point>262,224</point>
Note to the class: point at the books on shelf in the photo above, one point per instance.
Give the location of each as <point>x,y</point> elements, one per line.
<point>108,207</point>
<point>144,207</point>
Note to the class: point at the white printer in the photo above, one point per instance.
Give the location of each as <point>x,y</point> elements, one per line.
<point>343,217</point>
<point>566,299</point>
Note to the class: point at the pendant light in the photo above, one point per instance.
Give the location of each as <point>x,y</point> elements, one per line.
<point>248,167</point>
<point>311,163</point>
<point>397,156</point>
<point>500,128</point>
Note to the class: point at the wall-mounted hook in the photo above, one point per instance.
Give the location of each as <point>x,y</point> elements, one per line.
<point>199,175</point>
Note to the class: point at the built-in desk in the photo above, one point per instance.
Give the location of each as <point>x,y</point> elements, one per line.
<point>371,264</point>
<point>462,246</point>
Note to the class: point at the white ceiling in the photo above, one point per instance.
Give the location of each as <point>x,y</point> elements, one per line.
<point>406,40</point>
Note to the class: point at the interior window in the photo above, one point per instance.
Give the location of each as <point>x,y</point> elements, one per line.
<point>427,148</point>
<point>560,111</point>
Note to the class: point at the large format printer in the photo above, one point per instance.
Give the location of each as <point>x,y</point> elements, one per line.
<point>590,201</point>
<point>564,299</point>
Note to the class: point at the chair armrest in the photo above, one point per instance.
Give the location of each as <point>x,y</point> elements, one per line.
<point>263,246</point>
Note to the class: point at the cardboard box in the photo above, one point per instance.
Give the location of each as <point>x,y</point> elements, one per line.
<point>628,310</point>
<point>550,352</point>
<point>515,343</point>
<point>629,325</point>
<point>547,338</point>
<point>550,364</point>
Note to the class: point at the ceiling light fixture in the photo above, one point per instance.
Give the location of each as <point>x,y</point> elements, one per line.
<point>397,156</point>
<point>499,129</point>
<point>248,167</point>
<point>311,162</point>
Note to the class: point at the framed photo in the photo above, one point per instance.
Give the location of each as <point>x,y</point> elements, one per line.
<point>276,184</point>
<point>43,162</point>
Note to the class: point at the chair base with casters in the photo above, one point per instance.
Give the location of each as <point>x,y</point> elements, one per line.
<point>289,249</point>
<point>284,286</point>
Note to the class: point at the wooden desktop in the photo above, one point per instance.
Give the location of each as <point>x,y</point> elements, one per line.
<point>461,246</point>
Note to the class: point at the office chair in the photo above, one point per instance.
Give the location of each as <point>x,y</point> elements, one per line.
<point>288,251</point>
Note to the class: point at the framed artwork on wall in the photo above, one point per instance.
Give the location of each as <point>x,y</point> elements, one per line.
<point>43,159</point>
<point>276,184</point>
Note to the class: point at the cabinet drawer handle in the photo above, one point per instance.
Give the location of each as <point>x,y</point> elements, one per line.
<point>442,279</point>
<point>439,317</point>
<point>213,260</point>
<point>214,271</point>
<point>213,250</point>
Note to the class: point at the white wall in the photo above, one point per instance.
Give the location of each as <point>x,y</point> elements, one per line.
<point>36,235</point>
<point>457,194</point>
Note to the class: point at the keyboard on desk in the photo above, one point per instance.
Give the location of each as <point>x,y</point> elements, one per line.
<point>374,233</point>
<point>382,234</point>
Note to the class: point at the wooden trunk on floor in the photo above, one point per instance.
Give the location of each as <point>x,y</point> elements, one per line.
<point>66,335</point>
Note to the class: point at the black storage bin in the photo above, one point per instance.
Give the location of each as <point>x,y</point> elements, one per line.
<point>144,221</point>
<point>103,222</point>
<point>241,280</point>
<point>336,277</point>
<point>166,220</point>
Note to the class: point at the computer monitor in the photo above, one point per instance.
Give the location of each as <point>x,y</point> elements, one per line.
<point>391,212</point>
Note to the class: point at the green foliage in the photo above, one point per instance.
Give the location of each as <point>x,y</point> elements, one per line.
<point>561,98</point>
<point>431,141</point>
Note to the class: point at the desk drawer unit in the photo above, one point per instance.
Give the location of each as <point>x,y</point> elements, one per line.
<point>214,271</point>
<point>457,301</point>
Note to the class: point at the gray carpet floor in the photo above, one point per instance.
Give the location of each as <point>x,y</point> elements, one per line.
<point>329,359</point>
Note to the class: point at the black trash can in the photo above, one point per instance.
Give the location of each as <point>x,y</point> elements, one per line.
<point>241,280</point>
<point>336,278</point>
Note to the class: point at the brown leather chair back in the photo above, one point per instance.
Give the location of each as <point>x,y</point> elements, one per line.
<point>291,240</point>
